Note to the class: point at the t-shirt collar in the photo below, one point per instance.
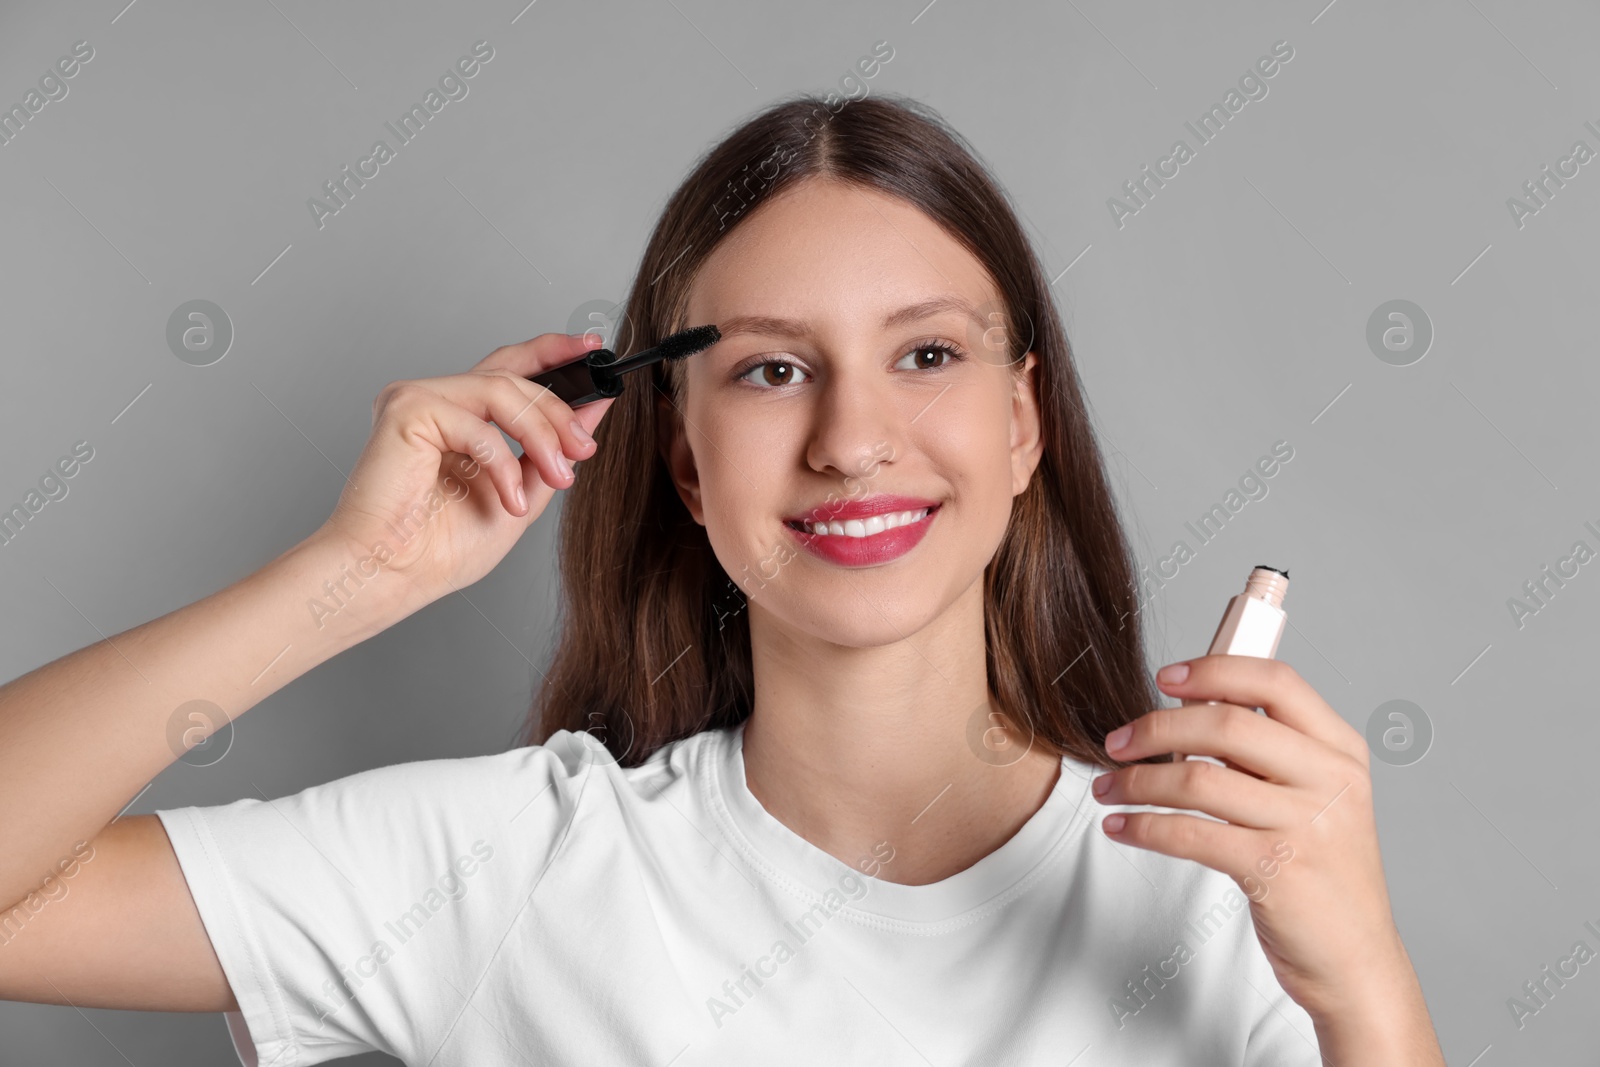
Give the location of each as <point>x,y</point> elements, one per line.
<point>794,864</point>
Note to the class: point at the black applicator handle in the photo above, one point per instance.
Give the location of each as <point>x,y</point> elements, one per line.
<point>583,381</point>
<point>598,375</point>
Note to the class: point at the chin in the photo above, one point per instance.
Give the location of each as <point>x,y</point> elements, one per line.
<point>866,609</point>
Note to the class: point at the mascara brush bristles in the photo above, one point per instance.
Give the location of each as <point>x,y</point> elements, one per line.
<point>684,343</point>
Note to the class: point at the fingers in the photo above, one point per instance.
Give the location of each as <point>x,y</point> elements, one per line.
<point>418,414</point>
<point>550,433</point>
<point>540,353</point>
<point>461,413</point>
<point>1217,845</point>
<point>590,414</point>
<point>1271,749</point>
<point>546,427</point>
<point>1217,791</point>
<point>1273,686</point>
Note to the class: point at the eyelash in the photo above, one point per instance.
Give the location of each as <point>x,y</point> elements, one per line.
<point>955,352</point>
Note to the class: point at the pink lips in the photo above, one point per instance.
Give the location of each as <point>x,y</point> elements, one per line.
<point>867,506</point>
<point>865,551</point>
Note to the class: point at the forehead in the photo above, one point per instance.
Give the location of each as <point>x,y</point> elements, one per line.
<point>834,253</point>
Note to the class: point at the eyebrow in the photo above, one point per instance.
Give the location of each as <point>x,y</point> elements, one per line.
<point>768,325</point>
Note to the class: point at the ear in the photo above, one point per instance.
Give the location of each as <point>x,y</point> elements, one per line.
<point>674,448</point>
<point>1027,438</point>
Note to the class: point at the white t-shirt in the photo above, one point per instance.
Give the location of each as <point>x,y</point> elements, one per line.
<point>547,906</point>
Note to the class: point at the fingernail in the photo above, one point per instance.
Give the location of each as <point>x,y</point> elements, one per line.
<point>1118,737</point>
<point>1115,823</point>
<point>1102,785</point>
<point>562,465</point>
<point>1173,673</point>
<point>580,433</point>
<point>522,499</point>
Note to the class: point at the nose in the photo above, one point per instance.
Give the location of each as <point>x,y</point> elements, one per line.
<point>858,420</point>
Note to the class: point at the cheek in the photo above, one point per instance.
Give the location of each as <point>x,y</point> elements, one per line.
<point>973,444</point>
<point>742,475</point>
<point>973,454</point>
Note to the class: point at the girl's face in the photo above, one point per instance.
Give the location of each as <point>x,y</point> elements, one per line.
<point>859,358</point>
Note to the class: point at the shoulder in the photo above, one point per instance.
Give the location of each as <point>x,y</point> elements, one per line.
<point>427,814</point>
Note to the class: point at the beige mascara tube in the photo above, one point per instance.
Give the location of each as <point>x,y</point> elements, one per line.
<point>1251,626</point>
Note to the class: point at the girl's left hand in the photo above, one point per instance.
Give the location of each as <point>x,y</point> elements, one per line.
<point>1299,836</point>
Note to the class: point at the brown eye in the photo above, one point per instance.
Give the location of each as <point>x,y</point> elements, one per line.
<point>932,355</point>
<point>772,373</point>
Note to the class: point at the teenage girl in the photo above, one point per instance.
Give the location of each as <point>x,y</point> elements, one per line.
<point>847,753</point>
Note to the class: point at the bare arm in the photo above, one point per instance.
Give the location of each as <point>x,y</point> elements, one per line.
<point>97,909</point>
<point>82,735</point>
<point>1391,1025</point>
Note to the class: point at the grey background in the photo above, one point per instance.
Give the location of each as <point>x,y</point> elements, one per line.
<point>1228,314</point>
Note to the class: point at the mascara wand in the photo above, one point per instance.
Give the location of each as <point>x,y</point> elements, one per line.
<point>598,375</point>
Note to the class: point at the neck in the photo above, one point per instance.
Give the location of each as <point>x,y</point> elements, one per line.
<point>851,747</point>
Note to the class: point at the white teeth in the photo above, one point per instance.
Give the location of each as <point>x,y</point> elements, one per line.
<point>867,527</point>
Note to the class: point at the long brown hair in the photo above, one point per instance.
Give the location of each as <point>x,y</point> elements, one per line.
<point>654,645</point>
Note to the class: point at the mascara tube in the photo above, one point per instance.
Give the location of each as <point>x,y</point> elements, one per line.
<point>1251,626</point>
<point>583,381</point>
<point>598,375</point>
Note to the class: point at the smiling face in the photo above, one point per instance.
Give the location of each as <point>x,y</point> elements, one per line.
<point>879,385</point>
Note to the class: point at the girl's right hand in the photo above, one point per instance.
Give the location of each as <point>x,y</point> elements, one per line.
<point>437,497</point>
